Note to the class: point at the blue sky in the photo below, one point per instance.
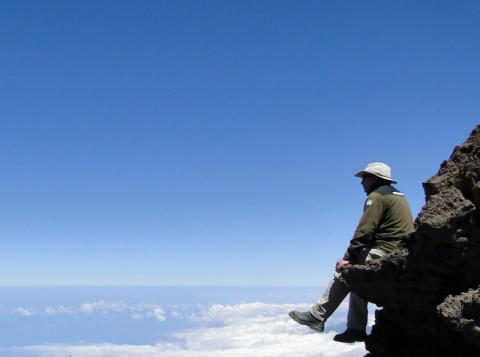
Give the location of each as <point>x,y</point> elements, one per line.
<point>215,142</point>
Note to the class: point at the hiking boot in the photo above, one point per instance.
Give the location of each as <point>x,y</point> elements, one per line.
<point>307,319</point>
<point>351,335</point>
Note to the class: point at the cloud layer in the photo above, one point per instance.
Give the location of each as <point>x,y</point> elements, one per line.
<point>241,330</point>
<point>136,311</point>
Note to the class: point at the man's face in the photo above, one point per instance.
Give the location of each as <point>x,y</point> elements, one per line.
<point>368,181</point>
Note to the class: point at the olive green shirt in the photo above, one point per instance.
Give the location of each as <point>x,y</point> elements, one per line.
<point>386,220</point>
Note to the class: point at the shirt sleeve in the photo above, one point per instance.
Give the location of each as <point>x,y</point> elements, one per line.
<point>365,231</point>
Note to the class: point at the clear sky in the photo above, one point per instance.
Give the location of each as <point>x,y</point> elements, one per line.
<point>215,142</point>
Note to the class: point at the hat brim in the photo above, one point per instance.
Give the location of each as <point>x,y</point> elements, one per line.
<point>363,172</point>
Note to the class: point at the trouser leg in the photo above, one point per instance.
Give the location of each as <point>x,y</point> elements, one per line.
<point>332,297</point>
<point>357,317</point>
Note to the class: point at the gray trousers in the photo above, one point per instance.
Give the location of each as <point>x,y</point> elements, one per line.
<point>336,292</point>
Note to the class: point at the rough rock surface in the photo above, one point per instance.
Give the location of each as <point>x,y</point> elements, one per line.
<point>428,291</point>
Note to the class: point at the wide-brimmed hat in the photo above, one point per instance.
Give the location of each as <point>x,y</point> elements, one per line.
<point>378,169</point>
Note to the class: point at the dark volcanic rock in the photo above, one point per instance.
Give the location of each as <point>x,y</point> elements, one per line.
<point>429,289</point>
<point>462,314</point>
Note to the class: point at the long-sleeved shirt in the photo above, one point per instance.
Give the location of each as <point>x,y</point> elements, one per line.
<point>386,219</point>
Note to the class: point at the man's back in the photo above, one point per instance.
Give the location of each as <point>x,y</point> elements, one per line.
<point>396,221</point>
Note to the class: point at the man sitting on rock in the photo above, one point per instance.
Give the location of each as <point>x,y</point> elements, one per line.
<point>386,220</point>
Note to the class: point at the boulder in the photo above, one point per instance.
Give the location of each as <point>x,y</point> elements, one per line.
<point>428,291</point>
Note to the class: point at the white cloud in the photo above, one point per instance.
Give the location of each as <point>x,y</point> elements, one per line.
<point>243,330</point>
<point>137,316</point>
<point>158,314</point>
<point>104,307</point>
<point>49,310</point>
<point>137,311</point>
<point>23,311</point>
<point>176,315</point>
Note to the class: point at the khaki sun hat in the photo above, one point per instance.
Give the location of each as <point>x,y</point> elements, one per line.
<point>378,169</point>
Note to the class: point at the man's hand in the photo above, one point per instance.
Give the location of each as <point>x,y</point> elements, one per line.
<point>340,264</point>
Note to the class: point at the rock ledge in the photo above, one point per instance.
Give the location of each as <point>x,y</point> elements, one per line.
<point>428,291</point>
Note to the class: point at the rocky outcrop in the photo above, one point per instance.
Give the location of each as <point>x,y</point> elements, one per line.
<point>428,291</point>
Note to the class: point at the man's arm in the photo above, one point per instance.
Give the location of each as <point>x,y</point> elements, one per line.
<point>365,231</point>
